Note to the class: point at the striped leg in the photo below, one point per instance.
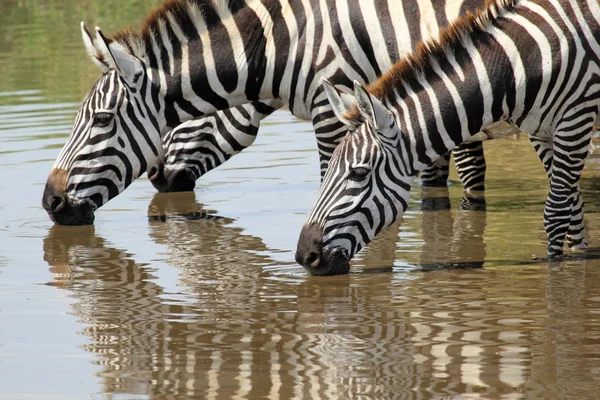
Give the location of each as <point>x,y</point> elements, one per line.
<point>563,212</point>
<point>436,175</point>
<point>575,237</point>
<point>470,165</point>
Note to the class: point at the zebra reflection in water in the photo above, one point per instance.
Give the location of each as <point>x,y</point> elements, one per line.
<point>250,334</point>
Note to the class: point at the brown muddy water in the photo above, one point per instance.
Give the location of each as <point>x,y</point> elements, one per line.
<point>197,295</point>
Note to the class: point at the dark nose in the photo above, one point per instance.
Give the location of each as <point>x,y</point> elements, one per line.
<point>317,260</point>
<point>56,203</point>
<point>53,199</point>
<point>60,209</point>
<point>308,252</point>
<point>181,181</point>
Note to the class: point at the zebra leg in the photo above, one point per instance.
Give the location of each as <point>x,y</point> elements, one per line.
<point>576,236</point>
<point>436,175</point>
<point>564,205</point>
<point>470,165</point>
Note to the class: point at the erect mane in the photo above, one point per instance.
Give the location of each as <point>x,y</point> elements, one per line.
<point>182,12</point>
<point>434,49</point>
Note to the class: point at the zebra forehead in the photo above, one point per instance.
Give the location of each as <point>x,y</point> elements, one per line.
<point>359,148</point>
<point>106,90</point>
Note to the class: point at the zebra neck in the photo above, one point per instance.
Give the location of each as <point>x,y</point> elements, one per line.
<point>454,100</point>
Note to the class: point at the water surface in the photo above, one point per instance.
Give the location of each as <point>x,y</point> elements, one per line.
<point>196,295</point>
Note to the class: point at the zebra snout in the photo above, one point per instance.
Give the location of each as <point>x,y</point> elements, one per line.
<point>167,181</point>
<point>56,203</point>
<point>61,209</point>
<point>316,259</point>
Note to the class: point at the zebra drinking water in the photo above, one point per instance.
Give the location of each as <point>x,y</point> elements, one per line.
<point>535,63</point>
<point>200,145</point>
<point>195,57</point>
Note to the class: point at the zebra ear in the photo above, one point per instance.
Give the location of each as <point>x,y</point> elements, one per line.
<point>341,102</point>
<point>94,53</point>
<point>372,109</point>
<point>128,66</point>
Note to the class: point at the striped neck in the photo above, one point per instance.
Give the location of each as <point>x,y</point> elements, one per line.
<point>476,81</point>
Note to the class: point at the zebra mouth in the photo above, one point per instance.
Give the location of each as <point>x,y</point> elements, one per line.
<point>332,261</point>
<point>318,259</point>
<point>177,181</point>
<point>65,211</point>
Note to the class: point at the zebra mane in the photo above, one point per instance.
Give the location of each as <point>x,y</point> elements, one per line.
<point>429,52</point>
<point>184,13</point>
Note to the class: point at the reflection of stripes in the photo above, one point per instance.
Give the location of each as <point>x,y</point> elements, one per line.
<point>195,57</point>
<point>388,336</point>
<point>535,64</point>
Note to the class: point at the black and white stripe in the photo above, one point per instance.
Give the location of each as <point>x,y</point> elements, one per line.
<point>195,57</point>
<point>533,63</point>
<point>200,145</point>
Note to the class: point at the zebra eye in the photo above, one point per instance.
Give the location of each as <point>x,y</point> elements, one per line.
<point>102,119</point>
<point>358,174</point>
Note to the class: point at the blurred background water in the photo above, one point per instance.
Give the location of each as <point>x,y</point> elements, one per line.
<point>197,295</point>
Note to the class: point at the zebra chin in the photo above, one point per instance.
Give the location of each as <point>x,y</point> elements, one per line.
<point>319,260</point>
<point>182,180</point>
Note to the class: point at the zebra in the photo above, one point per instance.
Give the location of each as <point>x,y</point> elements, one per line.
<point>534,63</point>
<point>191,59</point>
<point>200,145</point>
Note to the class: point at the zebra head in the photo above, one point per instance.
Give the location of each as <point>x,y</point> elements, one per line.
<point>365,189</point>
<point>113,141</point>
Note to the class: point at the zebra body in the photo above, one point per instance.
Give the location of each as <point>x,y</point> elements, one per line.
<point>195,57</point>
<point>534,63</point>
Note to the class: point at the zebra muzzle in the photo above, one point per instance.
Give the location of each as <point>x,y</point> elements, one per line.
<point>179,181</point>
<point>62,209</point>
<point>319,260</point>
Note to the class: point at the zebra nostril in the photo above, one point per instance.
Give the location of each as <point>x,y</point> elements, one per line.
<point>152,173</point>
<point>313,259</point>
<point>57,203</point>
